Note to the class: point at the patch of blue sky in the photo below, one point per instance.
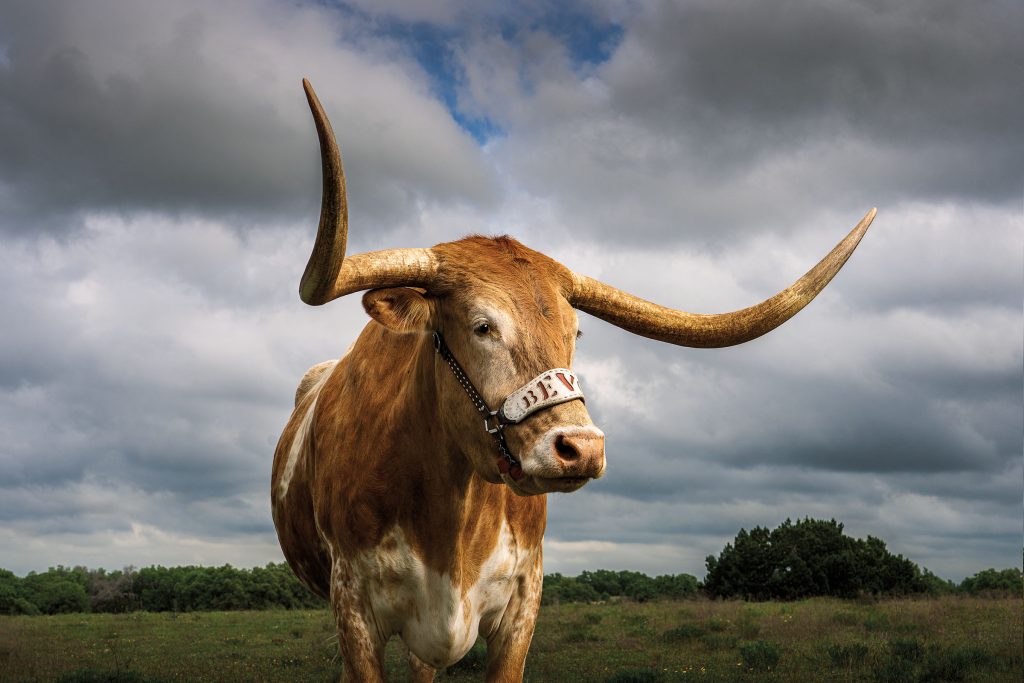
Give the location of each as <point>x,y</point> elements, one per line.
<point>431,46</point>
<point>589,40</point>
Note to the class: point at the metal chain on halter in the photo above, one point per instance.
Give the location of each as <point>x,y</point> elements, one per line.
<point>497,430</point>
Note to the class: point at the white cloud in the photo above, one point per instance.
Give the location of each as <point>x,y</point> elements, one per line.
<point>154,339</point>
<point>198,107</point>
<point>141,546</point>
<point>572,557</point>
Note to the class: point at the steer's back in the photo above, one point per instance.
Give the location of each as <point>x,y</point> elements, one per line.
<point>291,494</point>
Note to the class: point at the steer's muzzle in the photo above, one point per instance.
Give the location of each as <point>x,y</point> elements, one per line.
<point>563,459</point>
<point>580,452</point>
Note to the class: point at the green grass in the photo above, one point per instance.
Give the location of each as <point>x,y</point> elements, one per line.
<point>909,641</point>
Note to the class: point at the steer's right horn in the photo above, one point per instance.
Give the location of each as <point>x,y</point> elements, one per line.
<point>711,330</point>
<point>329,274</point>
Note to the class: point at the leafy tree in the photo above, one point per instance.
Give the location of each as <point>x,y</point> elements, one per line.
<point>12,595</point>
<point>607,583</point>
<point>558,589</point>
<point>62,597</point>
<point>743,568</point>
<point>933,585</point>
<point>994,581</point>
<point>111,592</point>
<point>156,588</point>
<point>676,585</point>
<point>602,584</point>
<point>810,557</point>
<point>58,590</point>
<point>10,590</point>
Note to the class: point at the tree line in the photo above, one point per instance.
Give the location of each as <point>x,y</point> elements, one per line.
<point>604,584</point>
<point>813,557</point>
<point>796,560</point>
<point>61,590</point>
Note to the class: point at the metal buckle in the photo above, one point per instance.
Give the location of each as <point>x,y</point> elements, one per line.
<point>498,426</point>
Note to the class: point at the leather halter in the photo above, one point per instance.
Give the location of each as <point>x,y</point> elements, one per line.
<point>539,393</point>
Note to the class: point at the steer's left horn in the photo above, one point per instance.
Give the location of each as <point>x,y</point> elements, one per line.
<point>329,274</point>
<point>716,330</point>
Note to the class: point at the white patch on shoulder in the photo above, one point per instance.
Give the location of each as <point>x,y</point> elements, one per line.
<point>438,623</point>
<point>300,441</point>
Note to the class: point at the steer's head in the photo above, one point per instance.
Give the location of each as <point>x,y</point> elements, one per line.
<point>509,333</point>
<point>504,317</point>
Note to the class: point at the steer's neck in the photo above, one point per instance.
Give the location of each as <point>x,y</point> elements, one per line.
<point>419,475</point>
<point>465,513</point>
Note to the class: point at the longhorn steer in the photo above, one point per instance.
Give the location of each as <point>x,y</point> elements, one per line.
<point>389,497</point>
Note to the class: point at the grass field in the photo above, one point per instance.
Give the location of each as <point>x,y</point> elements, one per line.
<point>948,639</point>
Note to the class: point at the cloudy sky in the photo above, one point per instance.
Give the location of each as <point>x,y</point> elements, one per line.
<point>159,184</point>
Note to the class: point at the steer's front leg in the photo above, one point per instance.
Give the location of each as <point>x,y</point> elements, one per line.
<point>508,644</point>
<point>420,672</point>
<point>360,641</point>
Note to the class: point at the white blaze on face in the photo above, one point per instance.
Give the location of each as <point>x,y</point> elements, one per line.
<point>492,360</point>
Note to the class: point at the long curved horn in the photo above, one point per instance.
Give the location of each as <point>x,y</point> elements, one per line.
<point>328,273</point>
<point>715,330</point>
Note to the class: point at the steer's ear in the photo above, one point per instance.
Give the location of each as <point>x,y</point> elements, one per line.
<point>401,309</point>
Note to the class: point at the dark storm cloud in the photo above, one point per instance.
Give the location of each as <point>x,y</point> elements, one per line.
<point>156,111</point>
<point>139,405</point>
<point>158,172</point>
<point>760,76</point>
<point>868,406</point>
<point>715,120</point>
<point>942,260</point>
<point>118,371</point>
<point>161,150</point>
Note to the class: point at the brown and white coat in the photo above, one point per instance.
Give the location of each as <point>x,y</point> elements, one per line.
<point>389,498</point>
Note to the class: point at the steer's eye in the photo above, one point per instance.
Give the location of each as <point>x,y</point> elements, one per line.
<point>482,329</point>
<point>579,333</point>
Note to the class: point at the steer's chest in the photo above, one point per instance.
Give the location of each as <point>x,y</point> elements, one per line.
<point>439,615</point>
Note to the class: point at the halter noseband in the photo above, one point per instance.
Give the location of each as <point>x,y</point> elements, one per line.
<point>547,389</point>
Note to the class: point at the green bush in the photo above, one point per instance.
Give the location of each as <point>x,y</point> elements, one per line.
<point>717,624</point>
<point>877,621</point>
<point>748,623</point>
<point>911,662</point>
<point>847,656</point>
<point>953,665</point>
<point>719,641</point>
<point>92,676</point>
<point>637,625</point>
<point>907,648</point>
<point>61,597</point>
<point>846,618</point>
<point>637,676</point>
<point>995,582</point>
<point>894,671</point>
<point>601,584</point>
<point>683,632</point>
<point>580,634</point>
<point>812,557</point>
<point>22,606</point>
<point>760,655</point>
<point>61,590</point>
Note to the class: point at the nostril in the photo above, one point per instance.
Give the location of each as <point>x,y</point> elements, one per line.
<point>565,449</point>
